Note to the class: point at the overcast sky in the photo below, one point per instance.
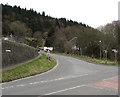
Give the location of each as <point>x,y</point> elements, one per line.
<point>91,12</point>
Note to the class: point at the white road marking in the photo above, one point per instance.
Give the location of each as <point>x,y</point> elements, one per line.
<point>8,87</point>
<point>95,87</point>
<point>47,81</point>
<point>34,83</point>
<point>65,90</point>
<point>57,79</point>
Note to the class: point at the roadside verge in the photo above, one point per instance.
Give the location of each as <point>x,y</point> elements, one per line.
<point>14,66</point>
<point>91,60</point>
<point>38,66</point>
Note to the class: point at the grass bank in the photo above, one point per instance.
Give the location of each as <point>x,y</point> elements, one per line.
<point>37,66</point>
<point>93,60</point>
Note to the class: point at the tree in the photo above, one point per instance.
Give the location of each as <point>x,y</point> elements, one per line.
<point>88,41</point>
<point>60,42</point>
<point>5,27</point>
<point>43,13</point>
<point>38,36</point>
<point>110,37</point>
<point>19,28</point>
<point>50,38</point>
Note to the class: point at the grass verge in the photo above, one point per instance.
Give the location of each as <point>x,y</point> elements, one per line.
<point>93,60</point>
<point>37,66</point>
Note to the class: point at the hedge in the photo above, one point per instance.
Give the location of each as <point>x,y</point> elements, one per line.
<point>19,53</point>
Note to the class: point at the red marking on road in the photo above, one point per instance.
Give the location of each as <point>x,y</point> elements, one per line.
<point>108,84</point>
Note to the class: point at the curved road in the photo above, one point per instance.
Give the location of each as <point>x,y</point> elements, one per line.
<point>70,77</point>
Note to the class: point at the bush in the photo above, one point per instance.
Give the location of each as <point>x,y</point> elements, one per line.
<point>19,53</point>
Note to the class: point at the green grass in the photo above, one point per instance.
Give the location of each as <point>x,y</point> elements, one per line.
<point>89,59</point>
<point>37,66</point>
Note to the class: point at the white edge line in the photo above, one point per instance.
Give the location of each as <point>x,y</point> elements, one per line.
<point>34,75</point>
<point>65,90</point>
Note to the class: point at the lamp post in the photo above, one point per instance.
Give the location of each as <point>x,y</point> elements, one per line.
<point>100,48</point>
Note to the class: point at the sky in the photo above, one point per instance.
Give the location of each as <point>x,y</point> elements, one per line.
<point>91,12</point>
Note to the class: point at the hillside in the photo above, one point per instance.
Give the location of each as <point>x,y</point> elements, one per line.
<point>33,20</point>
<point>35,26</point>
<point>68,36</point>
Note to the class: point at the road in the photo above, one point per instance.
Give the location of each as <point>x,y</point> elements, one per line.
<point>70,77</point>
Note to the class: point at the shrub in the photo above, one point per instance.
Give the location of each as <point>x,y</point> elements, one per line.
<point>19,53</point>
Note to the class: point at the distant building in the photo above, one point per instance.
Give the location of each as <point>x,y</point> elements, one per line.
<point>48,48</point>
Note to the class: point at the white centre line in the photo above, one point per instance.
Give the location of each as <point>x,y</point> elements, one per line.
<point>57,79</point>
<point>65,90</point>
<point>47,81</point>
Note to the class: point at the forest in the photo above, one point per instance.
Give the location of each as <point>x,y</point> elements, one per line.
<point>66,36</point>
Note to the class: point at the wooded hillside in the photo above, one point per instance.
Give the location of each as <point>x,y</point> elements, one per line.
<point>64,35</point>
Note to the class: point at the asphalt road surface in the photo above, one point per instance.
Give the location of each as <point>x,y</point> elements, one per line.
<point>70,77</point>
